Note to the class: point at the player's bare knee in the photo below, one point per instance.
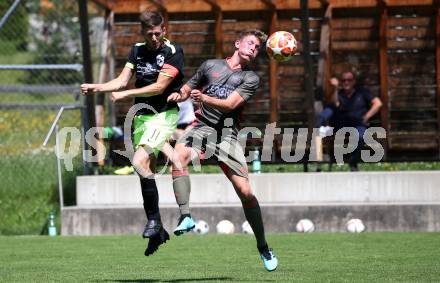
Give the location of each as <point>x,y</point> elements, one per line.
<point>142,165</point>
<point>244,194</point>
<point>141,169</point>
<point>181,156</point>
<point>138,161</point>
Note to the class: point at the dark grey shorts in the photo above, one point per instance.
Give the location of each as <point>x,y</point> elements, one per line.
<point>227,150</point>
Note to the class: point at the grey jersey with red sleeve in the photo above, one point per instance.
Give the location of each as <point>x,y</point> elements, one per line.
<point>215,78</point>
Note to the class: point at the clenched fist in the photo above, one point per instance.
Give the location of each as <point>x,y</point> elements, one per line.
<point>89,88</point>
<point>197,95</point>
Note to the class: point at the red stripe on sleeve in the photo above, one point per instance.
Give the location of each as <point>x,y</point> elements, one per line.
<point>170,70</point>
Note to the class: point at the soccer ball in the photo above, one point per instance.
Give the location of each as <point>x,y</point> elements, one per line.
<point>305,226</point>
<point>355,226</point>
<point>281,46</point>
<point>225,227</point>
<point>201,227</point>
<point>246,228</point>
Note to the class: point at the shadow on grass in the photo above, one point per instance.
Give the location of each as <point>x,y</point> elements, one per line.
<point>173,280</point>
<point>229,279</point>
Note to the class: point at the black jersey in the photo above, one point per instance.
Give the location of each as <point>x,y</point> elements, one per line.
<point>147,63</point>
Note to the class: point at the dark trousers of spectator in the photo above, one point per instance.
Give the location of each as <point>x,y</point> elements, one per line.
<point>338,122</point>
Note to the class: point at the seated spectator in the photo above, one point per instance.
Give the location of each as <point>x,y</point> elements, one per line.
<point>349,106</point>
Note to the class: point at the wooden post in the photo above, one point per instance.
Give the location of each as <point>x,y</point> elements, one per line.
<point>111,67</point>
<point>103,77</point>
<point>383,68</point>
<point>308,75</point>
<point>324,71</point>
<point>218,33</point>
<point>218,27</point>
<point>273,66</point>
<point>437,54</point>
<point>88,117</point>
<point>166,19</point>
<point>326,52</point>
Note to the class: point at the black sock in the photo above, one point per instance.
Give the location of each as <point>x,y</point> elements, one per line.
<point>252,212</point>
<point>151,198</point>
<point>263,248</point>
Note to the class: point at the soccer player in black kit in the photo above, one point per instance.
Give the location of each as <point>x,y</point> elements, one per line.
<point>157,64</point>
<point>222,87</point>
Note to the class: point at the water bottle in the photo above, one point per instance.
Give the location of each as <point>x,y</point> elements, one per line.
<point>52,229</point>
<point>256,162</point>
<point>108,133</point>
<point>115,133</point>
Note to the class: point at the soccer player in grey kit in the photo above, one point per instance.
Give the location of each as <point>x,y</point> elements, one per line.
<point>222,87</point>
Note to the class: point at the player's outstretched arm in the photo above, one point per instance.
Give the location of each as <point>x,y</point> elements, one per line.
<point>153,89</point>
<point>120,82</point>
<point>233,101</point>
<point>183,95</point>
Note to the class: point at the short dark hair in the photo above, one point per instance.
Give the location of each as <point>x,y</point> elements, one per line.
<point>151,19</point>
<point>349,71</point>
<point>255,32</point>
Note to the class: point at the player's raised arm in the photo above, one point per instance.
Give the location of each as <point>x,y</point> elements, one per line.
<point>180,96</point>
<point>170,64</point>
<point>116,84</point>
<point>233,101</point>
<point>236,99</point>
<point>153,89</point>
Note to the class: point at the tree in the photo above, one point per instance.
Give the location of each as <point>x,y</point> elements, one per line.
<point>56,41</point>
<point>14,34</point>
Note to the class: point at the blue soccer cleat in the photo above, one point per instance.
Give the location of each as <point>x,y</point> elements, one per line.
<point>186,224</point>
<point>269,259</point>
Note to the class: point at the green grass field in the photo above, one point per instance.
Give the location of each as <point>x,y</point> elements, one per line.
<point>319,257</point>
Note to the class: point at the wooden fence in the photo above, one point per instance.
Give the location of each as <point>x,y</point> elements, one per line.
<point>392,45</point>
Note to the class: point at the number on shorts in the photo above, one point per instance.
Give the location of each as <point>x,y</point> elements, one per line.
<point>154,136</point>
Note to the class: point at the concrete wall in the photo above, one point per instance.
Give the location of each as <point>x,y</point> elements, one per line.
<point>385,201</point>
<point>275,188</point>
<point>277,219</point>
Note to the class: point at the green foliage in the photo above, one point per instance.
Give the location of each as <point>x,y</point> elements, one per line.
<point>29,191</point>
<point>26,197</point>
<point>318,257</point>
<point>57,43</point>
<point>12,77</point>
<point>14,34</point>
<point>28,188</point>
